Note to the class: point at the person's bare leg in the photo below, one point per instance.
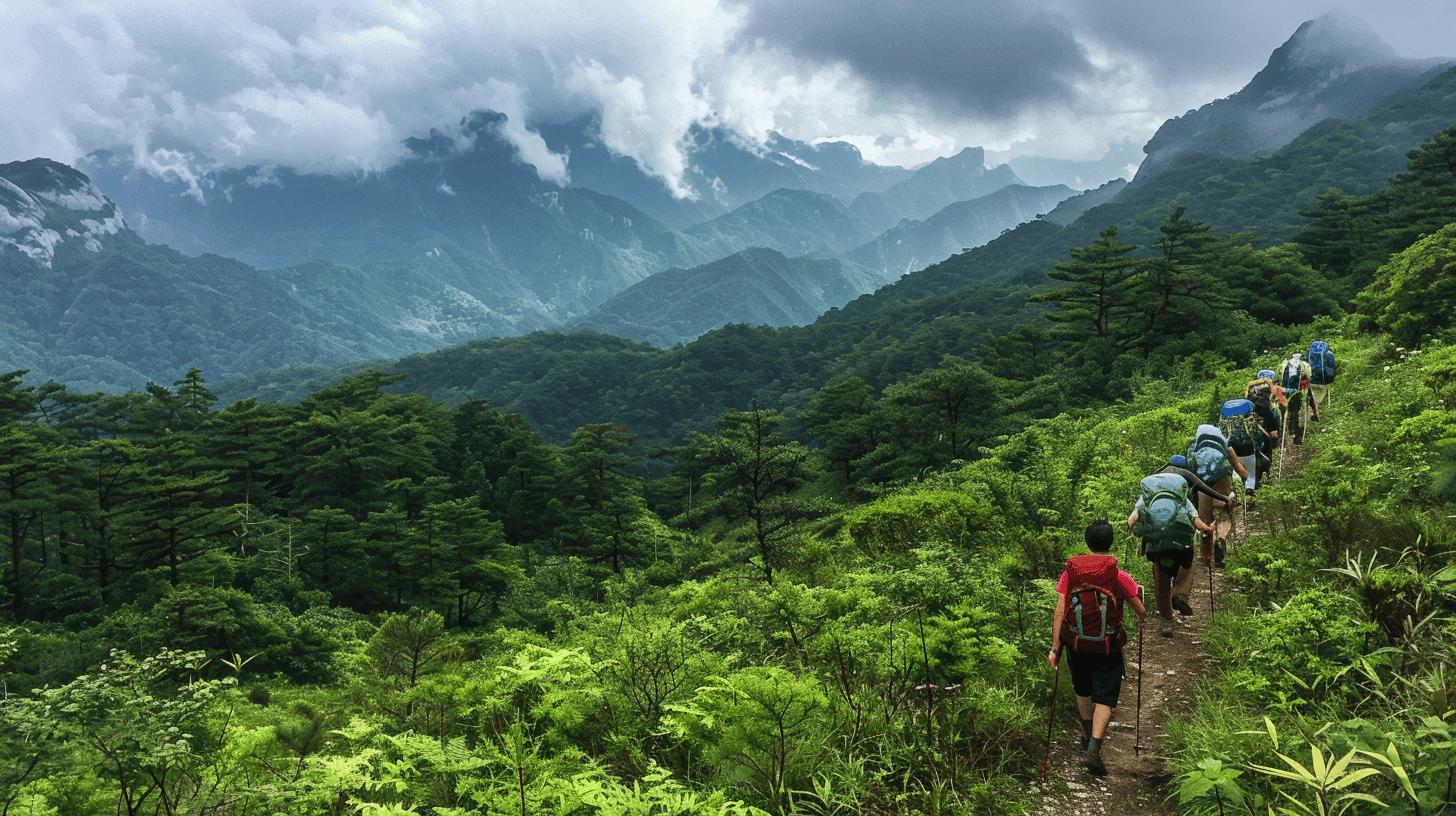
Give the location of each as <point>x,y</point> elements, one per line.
<point>1182,591</point>
<point>1101,716</point>
<point>1163,592</point>
<point>1084,712</point>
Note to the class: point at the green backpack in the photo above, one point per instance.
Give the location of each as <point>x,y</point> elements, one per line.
<point>1165,517</point>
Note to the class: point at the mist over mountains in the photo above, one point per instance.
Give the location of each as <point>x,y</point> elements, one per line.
<point>245,269</point>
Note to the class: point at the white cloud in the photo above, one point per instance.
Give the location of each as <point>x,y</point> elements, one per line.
<point>337,85</point>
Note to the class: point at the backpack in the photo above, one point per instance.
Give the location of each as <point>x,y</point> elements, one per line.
<point>1321,363</point>
<point>1094,605</point>
<point>1165,519</point>
<point>1292,373</point>
<point>1241,425</point>
<point>1208,455</point>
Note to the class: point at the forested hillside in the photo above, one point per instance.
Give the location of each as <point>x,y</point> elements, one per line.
<point>978,306</point>
<point>758,287</point>
<point>631,584</point>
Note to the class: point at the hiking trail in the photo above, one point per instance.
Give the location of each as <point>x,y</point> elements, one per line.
<point>1171,669</point>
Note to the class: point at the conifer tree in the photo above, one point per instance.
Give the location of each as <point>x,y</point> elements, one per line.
<point>753,473</point>
<point>1099,298</point>
<point>607,499</point>
<point>1178,287</point>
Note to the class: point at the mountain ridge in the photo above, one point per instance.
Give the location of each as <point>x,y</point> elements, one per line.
<point>757,286</point>
<point>1332,66</point>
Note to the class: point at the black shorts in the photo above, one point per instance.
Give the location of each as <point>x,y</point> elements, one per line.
<point>1097,675</point>
<point>1173,560</point>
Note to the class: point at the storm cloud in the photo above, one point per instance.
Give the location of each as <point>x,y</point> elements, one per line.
<point>986,59</point>
<point>337,85</point>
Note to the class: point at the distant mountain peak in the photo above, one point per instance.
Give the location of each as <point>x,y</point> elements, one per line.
<point>1332,66</point>
<point>44,203</point>
<point>971,157</point>
<point>1337,42</point>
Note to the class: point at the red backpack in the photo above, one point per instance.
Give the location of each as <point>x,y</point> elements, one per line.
<point>1094,605</point>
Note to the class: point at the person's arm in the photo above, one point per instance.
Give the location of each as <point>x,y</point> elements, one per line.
<point>1137,605</point>
<point>1271,423</point>
<point>1239,468</point>
<point>1132,519</point>
<point>1202,525</point>
<point>1132,593</point>
<point>1057,618</point>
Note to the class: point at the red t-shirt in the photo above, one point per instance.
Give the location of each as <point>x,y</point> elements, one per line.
<point>1125,582</point>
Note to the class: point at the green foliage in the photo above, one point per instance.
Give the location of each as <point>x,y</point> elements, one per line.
<point>1414,294</point>
<point>1331,687</point>
<point>438,610</point>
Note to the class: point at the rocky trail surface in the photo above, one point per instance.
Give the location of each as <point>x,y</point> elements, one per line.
<point>1138,780</point>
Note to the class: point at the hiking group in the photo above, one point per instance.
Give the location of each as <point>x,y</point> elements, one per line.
<point>1165,520</point>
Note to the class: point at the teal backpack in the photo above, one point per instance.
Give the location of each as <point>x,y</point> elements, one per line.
<point>1165,517</point>
<point>1208,455</point>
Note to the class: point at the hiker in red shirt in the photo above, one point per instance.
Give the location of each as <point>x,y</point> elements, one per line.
<point>1088,622</point>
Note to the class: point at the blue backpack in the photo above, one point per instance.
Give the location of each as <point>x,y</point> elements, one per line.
<point>1240,424</point>
<point>1321,363</point>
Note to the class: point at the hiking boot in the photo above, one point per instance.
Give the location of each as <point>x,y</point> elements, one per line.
<point>1165,627</point>
<point>1086,732</point>
<point>1181,604</point>
<point>1219,550</point>
<point>1094,757</point>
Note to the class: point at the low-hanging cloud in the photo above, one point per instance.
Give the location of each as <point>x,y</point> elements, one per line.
<point>338,85</point>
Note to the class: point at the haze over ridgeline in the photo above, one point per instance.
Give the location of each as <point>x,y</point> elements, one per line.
<point>502,222</point>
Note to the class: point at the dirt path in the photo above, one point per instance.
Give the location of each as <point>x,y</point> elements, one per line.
<point>1137,781</point>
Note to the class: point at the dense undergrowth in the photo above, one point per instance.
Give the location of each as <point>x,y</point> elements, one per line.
<point>1332,682</point>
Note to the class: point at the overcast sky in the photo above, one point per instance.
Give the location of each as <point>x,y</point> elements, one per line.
<point>335,85</point>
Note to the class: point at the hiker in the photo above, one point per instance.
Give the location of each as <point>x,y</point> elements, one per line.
<point>1214,460</point>
<point>1178,465</point>
<point>1088,622</point>
<point>1322,372</point>
<point>1242,424</point>
<point>1264,393</point>
<point>1294,379</point>
<point>1165,521</point>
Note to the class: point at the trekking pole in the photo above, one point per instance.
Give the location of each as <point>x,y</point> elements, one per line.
<point>1209,564</point>
<point>1137,728</point>
<point>1051,716</point>
<point>1283,434</point>
<point>1244,495</point>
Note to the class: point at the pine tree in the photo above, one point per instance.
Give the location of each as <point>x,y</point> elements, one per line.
<point>607,498</point>
<point>753,473</point>
<point>841,421</point>
<point>1178,289</point>
<point>28,461</point>
<point>177,504</point>
<point>1099,299</point>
